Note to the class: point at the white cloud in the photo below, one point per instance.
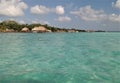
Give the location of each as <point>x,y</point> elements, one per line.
<point>21,21</point>
<point>88,14</point>
<point>44,22</point>
<point>116,4</point>
<point>40,9</point>
<point>59,10</point>
<point>12,8</point>
<point>45,10</point>
<point>114,17</point>
<point>40,21</point>
<point>64,19</point>
<point>34,22</point>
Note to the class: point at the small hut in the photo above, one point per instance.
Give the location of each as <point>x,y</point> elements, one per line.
<point>40,29</point>
<point>25,29</point>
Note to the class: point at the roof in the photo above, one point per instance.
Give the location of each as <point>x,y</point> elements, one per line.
<point>40,28</point>
<point>25,29</point>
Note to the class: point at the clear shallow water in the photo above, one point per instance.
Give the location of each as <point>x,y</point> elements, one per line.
<point>60,58</point>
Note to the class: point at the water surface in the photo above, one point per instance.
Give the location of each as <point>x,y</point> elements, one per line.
<point>60,58</point>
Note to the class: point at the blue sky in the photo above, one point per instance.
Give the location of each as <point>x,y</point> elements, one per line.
<point>81,14</point>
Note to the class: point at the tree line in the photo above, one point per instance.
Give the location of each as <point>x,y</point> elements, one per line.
<point>18,27</point>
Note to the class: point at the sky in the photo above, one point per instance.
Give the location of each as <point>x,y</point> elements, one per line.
<point>79,14</point>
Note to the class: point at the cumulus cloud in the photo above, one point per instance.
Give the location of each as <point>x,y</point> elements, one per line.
<point>59,10</point>
<point>44,22</point>
<point>89,14</point>
<point>45,10</point>
<point>64,19</point>
<point>114,17</point>
<point>12,8</point>
<point>21,21</point>
<point>40,9</point>
<point>116,4</point>
<point>40,21</point>
<point>34,22</point>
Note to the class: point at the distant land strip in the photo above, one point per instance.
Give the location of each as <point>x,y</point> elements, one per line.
<point>13,26</point>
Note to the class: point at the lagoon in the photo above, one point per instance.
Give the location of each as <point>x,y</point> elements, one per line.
<point>60,57</point>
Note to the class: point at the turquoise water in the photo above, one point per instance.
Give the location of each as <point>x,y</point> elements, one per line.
<point>60,58</point>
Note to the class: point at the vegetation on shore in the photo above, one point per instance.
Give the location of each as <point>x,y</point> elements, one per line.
<point>13,26</point>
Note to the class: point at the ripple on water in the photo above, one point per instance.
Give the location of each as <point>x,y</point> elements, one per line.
<point>60,58</point>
